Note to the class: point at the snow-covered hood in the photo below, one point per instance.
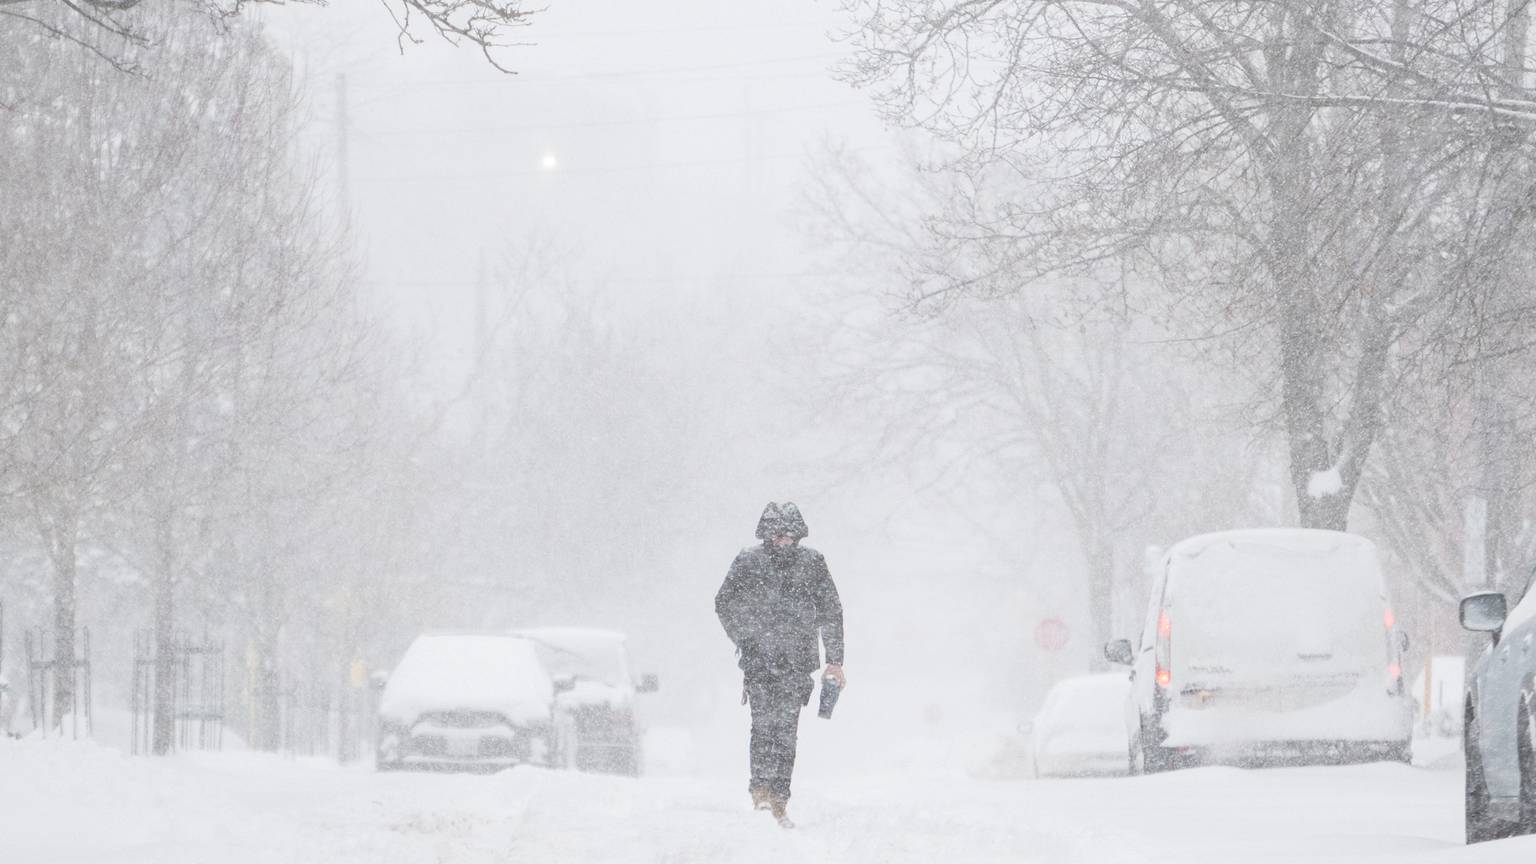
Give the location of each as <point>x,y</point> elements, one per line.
<point>453,673</point>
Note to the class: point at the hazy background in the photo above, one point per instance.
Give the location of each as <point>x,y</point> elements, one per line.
<point>664,151</point>
<point>364,338</point>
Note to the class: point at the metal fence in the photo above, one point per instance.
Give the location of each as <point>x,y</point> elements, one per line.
<point>197,692</point>
<point>43,670</point>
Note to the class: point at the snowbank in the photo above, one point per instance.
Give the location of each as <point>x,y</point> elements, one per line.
<point>85,804</point>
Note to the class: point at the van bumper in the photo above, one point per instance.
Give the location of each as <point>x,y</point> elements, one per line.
<point>1362,723</point>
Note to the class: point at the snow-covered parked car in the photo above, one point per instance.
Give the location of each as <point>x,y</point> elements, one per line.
<point>466,701</point>
<point>596,724</point>
<point>1267,645</point>
<point>1499,730</point>
<point>1080,729</point>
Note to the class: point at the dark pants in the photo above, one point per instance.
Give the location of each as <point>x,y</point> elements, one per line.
<point>776,702</point>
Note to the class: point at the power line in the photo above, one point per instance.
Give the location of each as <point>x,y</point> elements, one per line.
<point>526,78</point>
<point>617,169</point>
<point>617,280</point>
<point>662,31</point>
<point>638,121</point>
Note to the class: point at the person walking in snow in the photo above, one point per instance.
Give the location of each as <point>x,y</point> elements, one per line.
<point>777,599</point>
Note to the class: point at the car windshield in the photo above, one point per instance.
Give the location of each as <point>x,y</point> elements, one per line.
<point>585,657</point>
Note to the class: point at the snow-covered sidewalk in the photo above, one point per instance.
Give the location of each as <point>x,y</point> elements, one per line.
<point>79,802</point>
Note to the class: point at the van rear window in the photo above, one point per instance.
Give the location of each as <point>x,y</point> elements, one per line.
<point>1269,611</point>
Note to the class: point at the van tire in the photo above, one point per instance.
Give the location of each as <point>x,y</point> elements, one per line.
<point>1148,758</point>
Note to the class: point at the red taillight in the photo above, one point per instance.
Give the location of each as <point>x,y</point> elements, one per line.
<point>1389,619</point>
<point>1164,655</point>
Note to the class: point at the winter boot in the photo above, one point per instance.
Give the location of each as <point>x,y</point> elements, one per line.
<point>762,799</point>
<point>780,808</point>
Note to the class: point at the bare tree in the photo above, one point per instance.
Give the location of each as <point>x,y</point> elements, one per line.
<point>1257,158</point>
<point>177,313</point>
<point>114,30</point>
<point>88,218</point>
<point>1053,389</point>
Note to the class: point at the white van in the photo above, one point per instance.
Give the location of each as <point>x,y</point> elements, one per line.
<point>1267,645</point>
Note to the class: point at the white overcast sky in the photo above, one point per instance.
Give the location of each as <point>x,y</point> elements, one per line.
<point>665,141</point>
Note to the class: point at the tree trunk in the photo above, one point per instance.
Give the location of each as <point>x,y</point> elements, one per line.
<point>65,574</point>
<point>266,696</point>
<point>1322,498</point>
<point>165,640</point>
<point>1301,373</point>
<point>1101,600</point>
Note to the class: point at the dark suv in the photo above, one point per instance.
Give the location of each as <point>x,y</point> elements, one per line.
<point>595,722</point>
<point>1500,729</point>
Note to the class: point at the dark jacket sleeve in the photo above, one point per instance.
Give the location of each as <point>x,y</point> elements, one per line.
<point>736,616</point>
<point>829,614</point>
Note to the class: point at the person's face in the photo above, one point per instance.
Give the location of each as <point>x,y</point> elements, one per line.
<point>783,540</point>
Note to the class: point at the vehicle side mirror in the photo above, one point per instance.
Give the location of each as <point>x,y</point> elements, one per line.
<point>378,679</point>
<point>1484,612</point>
<point>1119,652</point>
<point>564,683</point>
<point>648,684</point>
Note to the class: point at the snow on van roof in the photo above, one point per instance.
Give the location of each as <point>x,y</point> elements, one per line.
<point>1296,539</point>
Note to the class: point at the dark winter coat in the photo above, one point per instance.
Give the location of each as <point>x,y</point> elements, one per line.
<point>773,605</point>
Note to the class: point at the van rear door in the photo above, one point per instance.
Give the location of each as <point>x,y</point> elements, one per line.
<point>1276,626</point>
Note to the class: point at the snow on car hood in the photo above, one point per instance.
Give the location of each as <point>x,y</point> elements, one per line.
<point>452,672</point>
<point>1084,715</point>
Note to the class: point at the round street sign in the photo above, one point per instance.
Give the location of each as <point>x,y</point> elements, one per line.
<point>1051,634</point>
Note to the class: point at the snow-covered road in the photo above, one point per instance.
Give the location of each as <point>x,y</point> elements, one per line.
<point>63,802</point>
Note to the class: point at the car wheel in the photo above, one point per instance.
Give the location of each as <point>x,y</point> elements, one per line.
<point>566,743</point>
<point>1480,826</point>
<point>1527,731</point>
<point>387,754</point>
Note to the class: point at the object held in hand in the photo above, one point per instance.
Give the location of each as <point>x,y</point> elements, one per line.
<point>829,693</point>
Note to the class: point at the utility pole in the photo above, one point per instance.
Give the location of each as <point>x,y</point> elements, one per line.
<point>349,703</point>
<point>343,157</point>
<point>749,148</point>
<point>482,352</point>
